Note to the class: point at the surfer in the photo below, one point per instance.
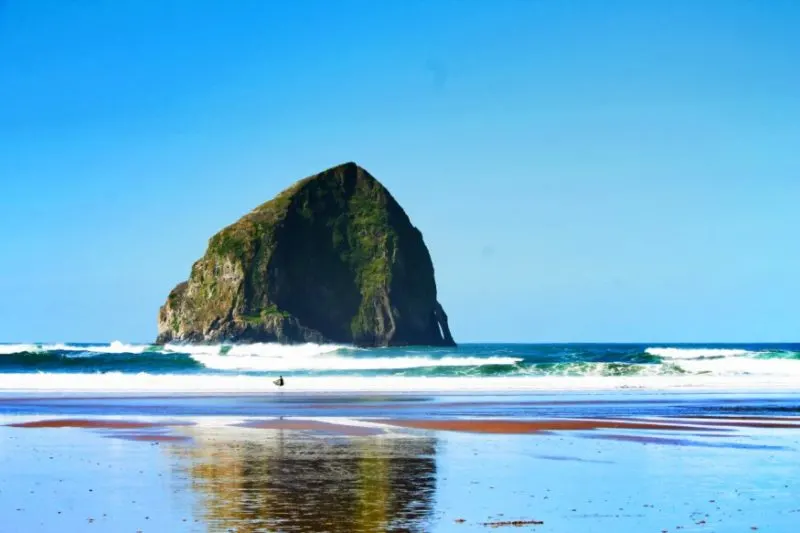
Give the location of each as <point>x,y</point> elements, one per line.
<point>279,381</point>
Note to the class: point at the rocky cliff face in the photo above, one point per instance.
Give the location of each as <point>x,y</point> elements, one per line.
<point>333,258</point>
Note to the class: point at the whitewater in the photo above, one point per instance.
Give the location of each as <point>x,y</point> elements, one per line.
<point>241,368</point>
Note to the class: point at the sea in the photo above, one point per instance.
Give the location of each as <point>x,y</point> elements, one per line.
<point>120,366</point>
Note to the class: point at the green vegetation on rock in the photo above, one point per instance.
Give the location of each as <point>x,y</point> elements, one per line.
<point>333,258</point>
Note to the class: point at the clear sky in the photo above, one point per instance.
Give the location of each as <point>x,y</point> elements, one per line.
<point>581,171</point>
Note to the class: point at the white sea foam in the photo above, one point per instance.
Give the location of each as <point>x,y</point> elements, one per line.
<point>725,362</point>
<point>585,369</point>
<point>8,349</point>
<point>264,350</point>
<point>272,357</point>
<point>744,366</point>
<point>114,347</point>
<point>294,362</point>
<point>274,350</point>
<point>117,382</point>
<point>695,353</point>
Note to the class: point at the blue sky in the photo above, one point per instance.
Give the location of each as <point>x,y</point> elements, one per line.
<point>581,171</point>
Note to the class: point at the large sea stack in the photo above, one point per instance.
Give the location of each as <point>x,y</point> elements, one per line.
<point>333,258</point>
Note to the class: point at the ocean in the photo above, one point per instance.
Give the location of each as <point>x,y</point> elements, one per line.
<point>121,366</point>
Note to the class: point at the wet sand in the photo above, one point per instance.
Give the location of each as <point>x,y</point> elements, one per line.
<point>512,427</point>
<point>669,441</point>
<point>360,467</point>
<point>795,419</point>
<point>752,423</point>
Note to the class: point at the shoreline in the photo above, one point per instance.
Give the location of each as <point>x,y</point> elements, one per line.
<point>116,382</point>
<point>636,406</point>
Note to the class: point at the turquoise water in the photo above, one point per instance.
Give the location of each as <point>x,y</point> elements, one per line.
<point>497,360</point>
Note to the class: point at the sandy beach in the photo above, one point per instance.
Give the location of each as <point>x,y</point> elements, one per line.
<point>399,463</point>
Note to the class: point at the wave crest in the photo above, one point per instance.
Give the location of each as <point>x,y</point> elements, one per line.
<point>265,350</point>
<point>323,363</point>
<point>697,353</point>
<point>116,347</point>
<point>10,349</point>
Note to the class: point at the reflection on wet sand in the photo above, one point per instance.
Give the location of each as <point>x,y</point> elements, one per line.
<point>255,480</point>
<point>650,439</point>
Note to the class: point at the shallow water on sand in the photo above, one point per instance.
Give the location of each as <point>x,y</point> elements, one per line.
<point>633,463</point>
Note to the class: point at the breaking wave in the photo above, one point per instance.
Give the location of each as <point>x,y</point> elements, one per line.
<point>594,362</point>
<point>326,363</point>
<point>266,350</point>
<point>696,353</point>
<point>114,347</point>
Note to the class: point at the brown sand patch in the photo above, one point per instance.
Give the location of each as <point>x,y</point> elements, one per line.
<point>92,424</point>
<point>85,423</point>
<point>533,426</point>
<point>313,425</point>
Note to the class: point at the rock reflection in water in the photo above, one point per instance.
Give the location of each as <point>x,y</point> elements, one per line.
<point>289,481</point>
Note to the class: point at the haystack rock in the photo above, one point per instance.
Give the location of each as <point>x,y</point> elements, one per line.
<point>331,259</point>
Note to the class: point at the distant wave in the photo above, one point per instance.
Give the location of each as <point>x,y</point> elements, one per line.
<point>114,347</point>
<point>267,350</point>
<point>8,349</point>
<point>71,361</point>
<point>117,347</point>
<point>695,353</point>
